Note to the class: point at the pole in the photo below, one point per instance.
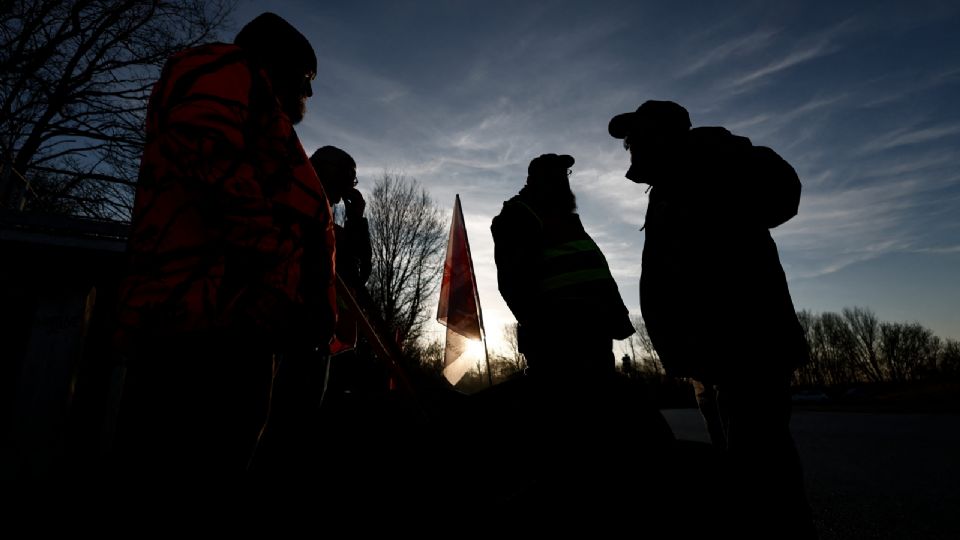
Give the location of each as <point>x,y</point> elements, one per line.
<point>384,348</point>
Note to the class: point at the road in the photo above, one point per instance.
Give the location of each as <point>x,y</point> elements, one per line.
<point>872,476</point>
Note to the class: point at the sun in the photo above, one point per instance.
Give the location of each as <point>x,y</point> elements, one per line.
<point>475,350</point>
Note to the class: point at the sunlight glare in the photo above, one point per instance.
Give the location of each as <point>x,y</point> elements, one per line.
<point>474,350</point>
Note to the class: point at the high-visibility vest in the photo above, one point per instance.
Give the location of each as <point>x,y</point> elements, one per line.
<point>572,266</point>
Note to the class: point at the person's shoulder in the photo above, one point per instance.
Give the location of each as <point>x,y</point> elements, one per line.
<point>515,210</point>
<point>716,146</point>
<point>716,136</point>
<point>209,52</point>
<point>511,205</point>
<point>221,69</point>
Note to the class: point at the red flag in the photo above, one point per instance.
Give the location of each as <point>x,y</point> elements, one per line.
<point>459,308</point>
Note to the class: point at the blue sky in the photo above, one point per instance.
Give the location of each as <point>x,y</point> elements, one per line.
<point>860,97</point>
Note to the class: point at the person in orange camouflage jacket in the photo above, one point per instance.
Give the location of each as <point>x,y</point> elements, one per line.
<point>231,256</point>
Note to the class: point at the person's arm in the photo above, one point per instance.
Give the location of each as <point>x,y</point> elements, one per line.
<point>357,233</point>
<point>516,237</point>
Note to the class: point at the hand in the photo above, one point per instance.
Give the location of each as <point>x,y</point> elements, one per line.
<point>354,203</point>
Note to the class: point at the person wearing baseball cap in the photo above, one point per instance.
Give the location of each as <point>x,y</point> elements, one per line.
<point>558,285</point>
<point>715,300</point>
<point>555,279</point>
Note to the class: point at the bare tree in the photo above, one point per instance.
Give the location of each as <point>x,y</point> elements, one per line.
<point>865,328</point>
<point>909,350</point>
<point>514,357</point>
<point>948,358</point>
<point>855,347</point>
<point>834,348</point>
<point>74,81</point>
<point>814,372</point>
<point>407,236</point>
<point>504,367</point>
<point>642,352</point>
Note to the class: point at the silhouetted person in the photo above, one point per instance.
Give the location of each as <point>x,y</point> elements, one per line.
<point>356,370</point>
<point>715,300</point>
<point>337,171</point>
<point>556,282</point>
<point>231,258</point>
<point>297,443</point>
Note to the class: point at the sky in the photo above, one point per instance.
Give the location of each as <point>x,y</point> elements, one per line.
<point>860,97</point>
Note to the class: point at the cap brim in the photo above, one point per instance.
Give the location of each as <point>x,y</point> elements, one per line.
<point>567,161</point>
<point>621,125</point>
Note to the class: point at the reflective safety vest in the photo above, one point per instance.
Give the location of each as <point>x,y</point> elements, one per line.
<point>572,266</point>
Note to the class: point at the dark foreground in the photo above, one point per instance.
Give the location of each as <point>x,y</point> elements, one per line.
<point>872,475</point>
<point>507,460</point>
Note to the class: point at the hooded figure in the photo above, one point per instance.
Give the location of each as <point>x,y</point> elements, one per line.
<point>231,257</point>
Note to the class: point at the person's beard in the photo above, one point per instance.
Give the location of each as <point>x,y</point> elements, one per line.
<point>295,109</point>
<point>566,201</point>
<point>557,198</point>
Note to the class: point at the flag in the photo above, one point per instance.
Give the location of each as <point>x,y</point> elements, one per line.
<point>459,308</point>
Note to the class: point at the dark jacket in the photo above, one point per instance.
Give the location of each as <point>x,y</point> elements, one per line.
<point>713,294</point>
<point>354,253</point>
<point>231,228</point>
<point>553,276</point>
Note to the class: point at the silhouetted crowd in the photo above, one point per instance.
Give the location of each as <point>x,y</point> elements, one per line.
<point>242,298</point>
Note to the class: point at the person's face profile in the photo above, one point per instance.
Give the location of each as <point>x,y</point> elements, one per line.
<point>293,96</point>
<point>350,180</point>
<point>634,146</point>
<point>347,180</point>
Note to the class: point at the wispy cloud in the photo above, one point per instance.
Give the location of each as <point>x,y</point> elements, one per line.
<point>719,53</point>
<point>940,250</point>
<point>836,229</point>
<point>906,166</point>
<point>816,46</point>
<point>788,61</point>
<point>891,88</point>
<point>766,123</point>
<point>908,136</point>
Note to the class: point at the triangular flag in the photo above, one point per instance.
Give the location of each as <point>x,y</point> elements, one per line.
<point>459,308</point>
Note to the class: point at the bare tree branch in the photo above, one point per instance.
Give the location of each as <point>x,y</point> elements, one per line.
<point>407,239</point>
<point>74,81</point>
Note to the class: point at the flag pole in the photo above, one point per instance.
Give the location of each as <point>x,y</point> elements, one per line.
<point>486,357</point>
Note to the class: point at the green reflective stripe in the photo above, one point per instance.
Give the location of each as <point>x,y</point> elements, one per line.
<point>573,264</point>
<point>568,248</point>
<point>574,278</point>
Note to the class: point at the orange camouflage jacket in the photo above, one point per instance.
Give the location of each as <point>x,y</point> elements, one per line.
<point>231,229</point>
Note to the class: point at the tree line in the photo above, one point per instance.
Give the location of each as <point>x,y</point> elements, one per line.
<point>846,348</point>
<point>854,346</point>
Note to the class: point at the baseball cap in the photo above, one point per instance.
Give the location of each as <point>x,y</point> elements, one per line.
<point>547,164</point>
<point>652,116</point>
